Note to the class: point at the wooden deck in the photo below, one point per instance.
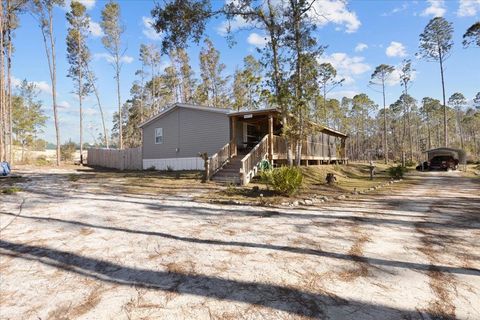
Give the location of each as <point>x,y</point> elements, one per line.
<point>311,151</point>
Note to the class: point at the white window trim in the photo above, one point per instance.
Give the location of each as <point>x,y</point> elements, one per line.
<point>160,135</point>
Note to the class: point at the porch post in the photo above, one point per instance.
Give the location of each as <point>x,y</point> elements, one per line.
<point>342,149</point>
<point>270,138</point>
<point>233,141</point>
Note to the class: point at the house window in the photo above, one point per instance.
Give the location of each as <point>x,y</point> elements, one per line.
<point>158,135</point>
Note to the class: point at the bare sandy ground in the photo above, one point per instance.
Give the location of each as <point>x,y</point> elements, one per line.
<point>76,251</point>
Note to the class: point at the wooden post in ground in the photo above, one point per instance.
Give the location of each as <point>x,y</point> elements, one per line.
<point>343,153</point>
<point>206,164</point>
<point>270,138</point>
<point>233,140</point>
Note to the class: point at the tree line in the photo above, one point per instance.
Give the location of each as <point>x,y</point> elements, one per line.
<point>287,75</point>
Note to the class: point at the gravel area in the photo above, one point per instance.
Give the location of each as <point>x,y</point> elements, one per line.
<point>72,250</point>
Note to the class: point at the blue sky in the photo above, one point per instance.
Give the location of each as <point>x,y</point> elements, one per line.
<point>359,35</point>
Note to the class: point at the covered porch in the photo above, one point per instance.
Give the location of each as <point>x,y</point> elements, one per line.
<point>255,136</point>
<point>249,128</point>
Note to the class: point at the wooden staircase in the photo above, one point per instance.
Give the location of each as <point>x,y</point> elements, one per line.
<point>230,172</point>
<point>230,165</point>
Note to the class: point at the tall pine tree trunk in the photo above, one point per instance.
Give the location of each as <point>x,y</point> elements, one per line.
<point>80,95</point>
<point>97,96</point>
<point>460,130</point>
<point>120,122</point>
<point>428,129</point>
<point>9,119</point>
<point>53,77</point>
<point>2,87</point>
<point>410,137</point>
<point>445,129</point>
<point>385,138</point>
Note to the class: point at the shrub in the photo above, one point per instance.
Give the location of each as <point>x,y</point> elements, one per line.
<point>285,180</point>
<point>397,172</point>
<point>73,177</point>
<point>67,150</point>
<point>42,161</point>
<point>410,163</point>
<point>11,190</point>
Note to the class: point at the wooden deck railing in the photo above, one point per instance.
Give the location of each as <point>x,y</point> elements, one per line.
<point>252,159</point>
<point>309,149</point>
<point>219,159</point>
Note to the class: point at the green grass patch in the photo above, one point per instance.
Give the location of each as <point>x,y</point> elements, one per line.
<point>11,190</point>
<point>73,177</point>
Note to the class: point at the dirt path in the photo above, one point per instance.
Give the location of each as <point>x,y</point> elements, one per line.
<point>84,251</point>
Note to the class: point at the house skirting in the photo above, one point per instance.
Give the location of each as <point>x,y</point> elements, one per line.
<point>176,164</point>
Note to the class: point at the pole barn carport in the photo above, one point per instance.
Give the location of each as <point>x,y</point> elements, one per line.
<point>457,154</point>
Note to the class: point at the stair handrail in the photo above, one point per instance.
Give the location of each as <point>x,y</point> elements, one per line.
<point>219,159</point>
<point>252,159</point>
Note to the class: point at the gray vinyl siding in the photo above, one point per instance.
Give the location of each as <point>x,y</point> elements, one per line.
<point>188,130</point>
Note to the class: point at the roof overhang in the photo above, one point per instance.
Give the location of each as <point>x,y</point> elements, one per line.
<point>274,111</point>
<point>459,154</point>
<point>172,107</point>
<point>259,112</point>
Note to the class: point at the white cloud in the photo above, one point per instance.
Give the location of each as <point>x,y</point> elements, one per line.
<point>347,67</point>
<point>257,40</point>
<point>64,105</point>
<point>395,10</point>
<point>396,49</point>
<point>16,82</point>
<point>89,4</point>
<point>41,86</point>
<point>343,93</point>
<point>436,8</point>
<point>323,12</point>
<point>235,24</point>
<point>127,59</point>
<point>394,78</point>
<point>360,47</point>
<point>335,11</point>
<point>148,29</point>
<point>95,29</point>
<point>468,8</point>
<point>109,58</point>
<point>90,111</point>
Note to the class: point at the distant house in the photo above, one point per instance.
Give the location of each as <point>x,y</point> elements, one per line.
<point>236,142</point>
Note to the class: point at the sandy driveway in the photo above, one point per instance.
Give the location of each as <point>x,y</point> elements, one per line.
<point>78,252</point>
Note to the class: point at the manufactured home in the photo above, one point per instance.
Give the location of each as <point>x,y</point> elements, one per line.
<point>236,142</point>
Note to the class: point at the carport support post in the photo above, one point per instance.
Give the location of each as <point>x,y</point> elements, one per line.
<point>270,138</point>
<point>343,154</point>
<point>233,141</point>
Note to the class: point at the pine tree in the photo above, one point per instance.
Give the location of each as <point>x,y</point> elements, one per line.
<point>379,77</point>
<point>212,89</point>
<point>43,11</point>
<point>435,44</point>
<point>78,56</point>
<point>112,41</point>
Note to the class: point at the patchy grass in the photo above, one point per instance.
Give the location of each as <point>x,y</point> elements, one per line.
<point>349,178</point>
<point>145,182</point>
<point>73,177</point>
<point>10,190</point>
<point>473,171</point>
